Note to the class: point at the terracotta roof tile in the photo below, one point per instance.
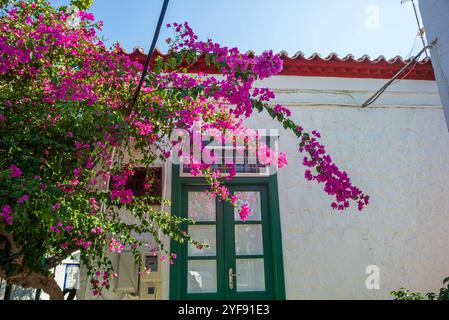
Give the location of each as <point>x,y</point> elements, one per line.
<point>330,66</point>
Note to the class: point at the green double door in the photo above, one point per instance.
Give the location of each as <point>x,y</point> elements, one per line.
<point>238,262</point>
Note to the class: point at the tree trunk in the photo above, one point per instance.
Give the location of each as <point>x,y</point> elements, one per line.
<point>31,279</point>
<point>53,290</point>
<point>24,277</point>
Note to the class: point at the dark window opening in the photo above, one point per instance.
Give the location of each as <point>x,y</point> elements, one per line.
<point>145,181</point>
<point>151,263</point>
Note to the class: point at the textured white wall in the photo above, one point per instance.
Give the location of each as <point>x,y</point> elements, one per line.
<point>85,292</point>
<point>59,273</point>
<point>397,151</point>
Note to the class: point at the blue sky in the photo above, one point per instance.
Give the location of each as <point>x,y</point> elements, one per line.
<point>373,27</point>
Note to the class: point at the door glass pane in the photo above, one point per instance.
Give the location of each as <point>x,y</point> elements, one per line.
<point>202,276</point>
<point>205,234</point>
<point>248,239</point>
<point>252,199</point>
<point>201,206</point>
<point>250,275</point>
<point>71,276</point>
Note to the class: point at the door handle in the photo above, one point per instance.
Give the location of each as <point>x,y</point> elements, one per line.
<point>231,276</point>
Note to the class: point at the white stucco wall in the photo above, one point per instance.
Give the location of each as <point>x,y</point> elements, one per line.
<point>60,273</point>
<point>397,151</point>
<point>85,292</point>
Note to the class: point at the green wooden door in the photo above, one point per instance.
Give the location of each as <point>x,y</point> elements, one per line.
<point>248,247</point>
<point>239,262</point>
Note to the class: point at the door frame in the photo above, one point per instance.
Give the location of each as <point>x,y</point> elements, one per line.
<point>275,228</point>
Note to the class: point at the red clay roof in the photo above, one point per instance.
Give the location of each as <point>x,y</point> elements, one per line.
<point>330,66</point>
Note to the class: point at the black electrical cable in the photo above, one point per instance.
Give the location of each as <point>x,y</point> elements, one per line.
<point>150,54</point>
<point>379,92</point>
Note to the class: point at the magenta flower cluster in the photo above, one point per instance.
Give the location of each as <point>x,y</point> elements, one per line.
<point>239,73</point>
<point>336,182</point>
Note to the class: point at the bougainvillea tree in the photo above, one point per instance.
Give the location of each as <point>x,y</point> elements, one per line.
<point>69,139</point>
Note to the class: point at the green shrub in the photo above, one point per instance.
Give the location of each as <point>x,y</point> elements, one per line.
<point>405,294</point>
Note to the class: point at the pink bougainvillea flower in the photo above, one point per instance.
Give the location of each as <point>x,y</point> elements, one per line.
<point>23,199</point>
<point>7,214</point>
<point>115,246</point>
<point>97,230</point>
<point>267,64</point>
<point>15,171</point>
<point>145,127</point>
<point>87,244</point>
<point>124,196</point>
<point>232,173</point>
<point>56,206</point>
<point>245,211</point>
<point>166,154</point>
<point>86,15</point>
<point>282,160</point>
<point>77,172</point>
<point>280,109</point>
<point>89,163</point>
<point>64,245</point>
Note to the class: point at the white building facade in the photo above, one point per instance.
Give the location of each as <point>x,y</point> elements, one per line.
<point>297,247</point>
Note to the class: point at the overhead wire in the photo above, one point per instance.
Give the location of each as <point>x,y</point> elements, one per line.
<point>150,54</point>
<point>413,61</point>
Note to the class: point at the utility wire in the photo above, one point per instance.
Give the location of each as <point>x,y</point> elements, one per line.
<point>410,53</point>
<point>150,54</point>
<point>421,31</point>
<point>414,61</point>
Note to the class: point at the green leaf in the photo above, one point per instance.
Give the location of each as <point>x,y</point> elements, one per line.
<point>172,62</point>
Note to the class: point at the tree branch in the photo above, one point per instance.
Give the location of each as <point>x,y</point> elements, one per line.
<point>31,279</point>
<point>54,261</point>
<point>27,278</point>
